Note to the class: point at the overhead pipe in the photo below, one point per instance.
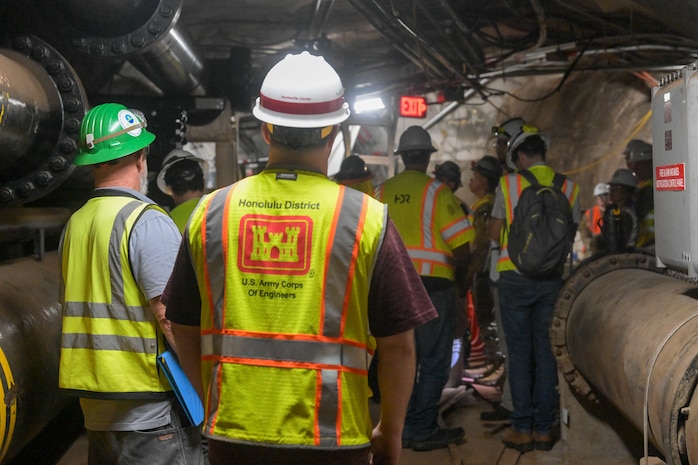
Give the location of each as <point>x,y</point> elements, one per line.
<point>625,331</point>
<point>41,105</point>
<point>472,48</point>
<point>144,32</point>
<point>387,30</point>
<point>451,107</point>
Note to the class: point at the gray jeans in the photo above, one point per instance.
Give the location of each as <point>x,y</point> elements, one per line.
<point>172,444</point>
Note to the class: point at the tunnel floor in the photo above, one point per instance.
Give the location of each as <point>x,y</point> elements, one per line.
<point>483,444</point>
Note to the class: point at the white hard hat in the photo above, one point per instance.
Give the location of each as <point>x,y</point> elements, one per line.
<point>173,157</point>
<point>302,91</point>
<point>508,128</point>
<point>601,189</point>
<point>527,131</point>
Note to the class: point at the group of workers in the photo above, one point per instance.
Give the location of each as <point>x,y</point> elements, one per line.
<point>622,217</point>
<point>276,291</point>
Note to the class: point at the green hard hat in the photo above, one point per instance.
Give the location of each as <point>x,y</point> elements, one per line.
<point>110,131</point>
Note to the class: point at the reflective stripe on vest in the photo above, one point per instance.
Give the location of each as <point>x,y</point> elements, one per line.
<point>108,345</point>
<point>327,355</point>
<point>413,197</point>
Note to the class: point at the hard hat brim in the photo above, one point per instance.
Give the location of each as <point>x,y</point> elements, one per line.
<point>301,121</point>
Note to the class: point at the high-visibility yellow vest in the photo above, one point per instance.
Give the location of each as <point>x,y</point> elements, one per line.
<point>429,218</point>
<point>511,186</point>
<point>180,214</point>
<point>283,262</point>
<point>110,339</point>
<point>363,185</point>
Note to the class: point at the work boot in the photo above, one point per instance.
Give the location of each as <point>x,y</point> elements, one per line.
<point>439,439</point>
<point>543,441</point>
<point>522,441</point>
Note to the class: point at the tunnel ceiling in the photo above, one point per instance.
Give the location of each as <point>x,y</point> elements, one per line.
<point>436,44</point>
<point>420,45</point>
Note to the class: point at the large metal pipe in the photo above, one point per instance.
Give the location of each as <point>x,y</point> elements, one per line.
<point>626,332</point>
<point>145,32</point>
<point>41,104</point>
<point>29,350</point>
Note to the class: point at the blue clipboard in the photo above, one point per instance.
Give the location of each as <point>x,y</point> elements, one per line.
<point>184,390</point>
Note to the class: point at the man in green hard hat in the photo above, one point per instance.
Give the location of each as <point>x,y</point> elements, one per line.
<point>117,252</point>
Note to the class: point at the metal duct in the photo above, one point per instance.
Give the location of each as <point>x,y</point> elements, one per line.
<point>41,105</point>
<point>627,333</point>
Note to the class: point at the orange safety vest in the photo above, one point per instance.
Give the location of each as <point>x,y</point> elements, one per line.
<point>284,260</point>
<point>594,219</point>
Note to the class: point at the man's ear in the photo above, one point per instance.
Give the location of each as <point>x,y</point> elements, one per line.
<point>266,134</point>
<point>329,140</point>
<point>141,160</point>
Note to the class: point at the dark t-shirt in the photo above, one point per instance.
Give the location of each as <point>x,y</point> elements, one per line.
<point>397,300</point>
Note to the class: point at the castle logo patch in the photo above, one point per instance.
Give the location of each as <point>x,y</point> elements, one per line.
<point>275,244</point>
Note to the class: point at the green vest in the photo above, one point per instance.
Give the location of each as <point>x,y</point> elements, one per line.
<point>110,338</point>
<point>284,261</point>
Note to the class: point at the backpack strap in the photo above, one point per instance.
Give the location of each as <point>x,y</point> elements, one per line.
<point>558,181</point>
<point>532,180</point>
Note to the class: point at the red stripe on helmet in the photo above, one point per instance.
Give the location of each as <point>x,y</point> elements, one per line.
<point>300,108</point>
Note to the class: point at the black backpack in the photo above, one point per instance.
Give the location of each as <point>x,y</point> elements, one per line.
<point>542,230</point>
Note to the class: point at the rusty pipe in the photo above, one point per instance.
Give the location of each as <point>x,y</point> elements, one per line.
<point>626,332</point>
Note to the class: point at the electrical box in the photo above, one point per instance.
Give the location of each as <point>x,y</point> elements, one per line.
<point>675,162</point>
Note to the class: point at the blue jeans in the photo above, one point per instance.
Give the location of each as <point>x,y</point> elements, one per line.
<point>434,341</point>
<point>526,307</point>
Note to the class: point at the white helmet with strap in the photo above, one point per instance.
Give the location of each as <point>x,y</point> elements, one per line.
<point>175,156</point>
<point>302,91</point>
<point>527,131</point>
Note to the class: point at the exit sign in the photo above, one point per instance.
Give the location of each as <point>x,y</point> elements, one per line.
<point>413,107</point>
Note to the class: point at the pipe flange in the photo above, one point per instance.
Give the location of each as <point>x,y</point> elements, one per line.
<point>585,273</point>
<point>58,165</point>
<point>137,41</point>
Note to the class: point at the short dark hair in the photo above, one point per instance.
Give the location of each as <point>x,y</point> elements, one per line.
<point>184,176</point>
<point>415,156</point>
<point>297,138</point>
<point>532,146</point>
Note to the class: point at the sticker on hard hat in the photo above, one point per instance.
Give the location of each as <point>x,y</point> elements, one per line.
<point>128,120</point>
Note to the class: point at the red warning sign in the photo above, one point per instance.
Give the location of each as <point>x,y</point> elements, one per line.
<point>670,177</point>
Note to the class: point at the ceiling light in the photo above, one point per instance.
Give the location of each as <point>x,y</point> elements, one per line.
<point>366,104</point>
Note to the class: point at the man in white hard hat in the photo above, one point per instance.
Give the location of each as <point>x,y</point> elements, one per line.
<point>182,178</point>
<point>526,301</point>
<point>285,284</point>
<point>502,134</point>
<point>593,217</point>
